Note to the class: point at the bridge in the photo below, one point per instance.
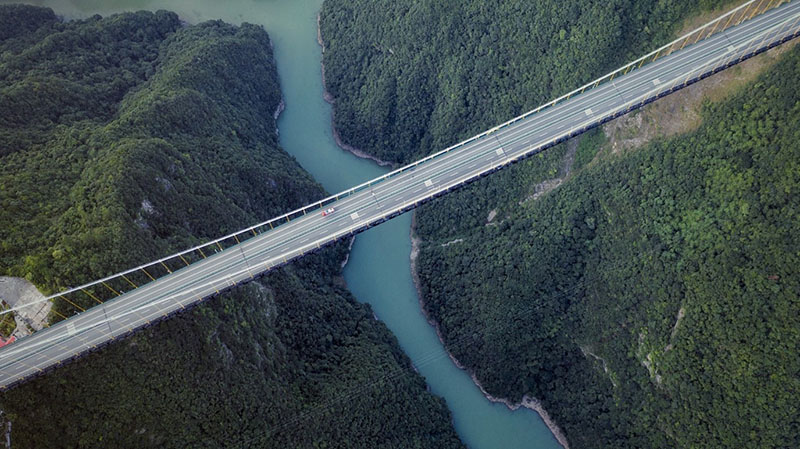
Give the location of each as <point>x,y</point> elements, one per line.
<point>144,295</point>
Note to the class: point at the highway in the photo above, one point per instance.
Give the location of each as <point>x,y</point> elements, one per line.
<point>386,197</point>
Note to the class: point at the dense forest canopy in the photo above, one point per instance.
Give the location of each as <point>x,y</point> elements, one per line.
<point>412,77</point>
<point>651,300</point>
<point>128,137</point>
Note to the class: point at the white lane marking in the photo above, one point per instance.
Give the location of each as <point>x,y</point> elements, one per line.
<point>656,82</point>
<point>588,111</point>
<point>731,48</point>
<point>428,183</point>
<point>70,329</point>
<point>500,152</point>
<point>354,215</point>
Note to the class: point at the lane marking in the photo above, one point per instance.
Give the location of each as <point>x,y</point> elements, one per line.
<point>354,216</point>
<point>500,152</point>
<point>731,49</point>
<point>428,183</point>
<point>70,329</point>
<point>656,82</point>
<point>588,112</point>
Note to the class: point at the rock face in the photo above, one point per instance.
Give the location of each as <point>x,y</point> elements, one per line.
<point>18,292</point>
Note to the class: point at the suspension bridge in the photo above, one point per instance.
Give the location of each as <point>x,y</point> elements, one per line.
<point>136,298</point>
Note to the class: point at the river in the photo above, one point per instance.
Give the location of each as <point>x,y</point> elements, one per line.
<point>378,271</point>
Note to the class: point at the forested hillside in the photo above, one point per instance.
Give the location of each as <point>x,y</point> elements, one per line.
<point>651,300</point>
<point>127,137</point>
<point>412,77</point>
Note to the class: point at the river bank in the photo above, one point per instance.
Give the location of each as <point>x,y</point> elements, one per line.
<point>527,401</point>
<point>329,98</point>
<point>277,113</point>
<point>378,271</point>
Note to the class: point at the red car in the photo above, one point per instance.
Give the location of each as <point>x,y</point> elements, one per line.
<point>328,211</point>
<point>4,342</point>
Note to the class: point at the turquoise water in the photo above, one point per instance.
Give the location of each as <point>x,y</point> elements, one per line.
<point>378,271</point>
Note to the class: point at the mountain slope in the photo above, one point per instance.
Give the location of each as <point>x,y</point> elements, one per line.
<point>651,299</point>
<point>128,137</point>
<point>409,78</point>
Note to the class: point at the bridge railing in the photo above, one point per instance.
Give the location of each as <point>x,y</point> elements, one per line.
<point>79,299</point>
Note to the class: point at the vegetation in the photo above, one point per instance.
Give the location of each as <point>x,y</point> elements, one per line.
<point>651,300</point>
<point>588,146</point>
<point>412,77</point>
<point>127,137</point>
<point>7,323</point>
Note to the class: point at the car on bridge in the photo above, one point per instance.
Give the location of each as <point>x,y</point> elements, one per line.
<point>8,341</point>
<point>328,211</point>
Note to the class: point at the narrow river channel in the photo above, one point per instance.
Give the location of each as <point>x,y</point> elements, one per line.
<point>378,271</point>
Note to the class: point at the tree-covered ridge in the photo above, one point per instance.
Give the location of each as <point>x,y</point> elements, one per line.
<point>129,137</point>
<point>413,77</point>
<point>128,114</point>
<point>652,300</point>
